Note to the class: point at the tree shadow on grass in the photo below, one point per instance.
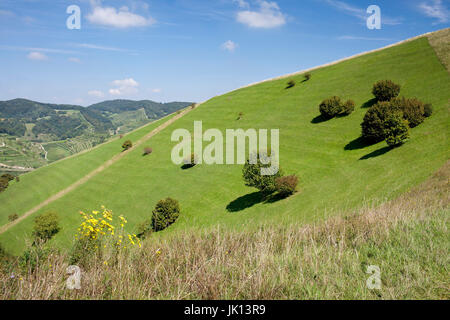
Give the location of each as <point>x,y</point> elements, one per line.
<point>245,202</point>
<point>249,200</point>
<point>369,103</point>
<point>319,119</point>
<point>376,153</point>
<point>187,166</point>
<point>358,143</point>
<point>275,197</point>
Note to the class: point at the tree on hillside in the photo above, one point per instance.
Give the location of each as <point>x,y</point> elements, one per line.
<point>46,226</point>
<point>253,177</point>
<point>127,145</point>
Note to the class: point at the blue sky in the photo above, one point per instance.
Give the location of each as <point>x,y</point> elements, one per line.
<point>188,50</point>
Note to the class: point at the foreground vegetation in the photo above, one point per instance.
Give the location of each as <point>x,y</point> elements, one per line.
<point>407,238</point>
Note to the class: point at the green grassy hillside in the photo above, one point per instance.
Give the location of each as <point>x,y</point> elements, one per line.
<point>337,172</point>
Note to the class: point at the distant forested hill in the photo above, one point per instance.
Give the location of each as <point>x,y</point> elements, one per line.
<point>152,109</point>
<point>51,132</point>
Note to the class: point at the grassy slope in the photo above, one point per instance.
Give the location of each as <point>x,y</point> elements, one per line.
<point>332,178</point>
<point>407,238</point>
<point>37,186</point>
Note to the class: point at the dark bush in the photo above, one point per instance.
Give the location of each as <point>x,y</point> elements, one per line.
<point>330,107</point>
<point>385,90</point>
<point>165,213</point>
<point>253,177</point>
<point>428,110</point>
<point>307,76</point>
<point>290,84</point>
<point>127,145</point>
<point>3,184</point>
<point>286,185</point>
<point>373,123</point>
<point>45,226</point>
<point>8,176</point>
<point>147,151</point>
<point>413,110</point>
<point>396,130</point>
<point>348,107</point>
<point>13,217</point>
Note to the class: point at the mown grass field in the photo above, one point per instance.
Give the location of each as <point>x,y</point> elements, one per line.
<point>337,173</point>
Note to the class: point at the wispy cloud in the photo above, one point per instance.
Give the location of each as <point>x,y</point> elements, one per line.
<point>267,16</point>
<point>363,38</point>
<point>46,50</point>
<point>117,18</point>
<point>361,13</point>
<point>124,87</point>
<point>435,9</point>
<point>38,56</point>
<point>229,46</point>
<point>98,47</point>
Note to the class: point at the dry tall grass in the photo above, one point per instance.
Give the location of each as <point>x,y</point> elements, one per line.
<point>407,238</point>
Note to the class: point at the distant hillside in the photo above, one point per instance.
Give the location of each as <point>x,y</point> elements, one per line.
<point>152,108</point>
<point>49,132</point>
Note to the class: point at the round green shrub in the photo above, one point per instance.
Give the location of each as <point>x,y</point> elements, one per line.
<point>396,129</point>
<point>127,145</point>
<point>330,107</point>
<point>385,90</point>
<point>46,226</point>
<point>348,107</point>
<point>413,110</point>
<point>373,122</point>
<point>253,177</point>
<point>165,213</point>
<point>286,185</point>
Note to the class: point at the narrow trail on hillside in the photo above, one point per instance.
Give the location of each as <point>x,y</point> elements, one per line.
<point>96,171</point>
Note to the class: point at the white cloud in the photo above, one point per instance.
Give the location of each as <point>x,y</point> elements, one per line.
<point>360,13</point>
<point>242,3</point>
<point>124,87</point>
<point>35,55</point>
<point>229,46</point>
<point>156,90</point>
<point>74,60</point>
<point>96,93</point>
<point>122,18</point>
<point>268,16</point>
<point>435,9</point>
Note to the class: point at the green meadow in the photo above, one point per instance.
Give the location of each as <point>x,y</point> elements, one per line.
<point>337,171</point>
